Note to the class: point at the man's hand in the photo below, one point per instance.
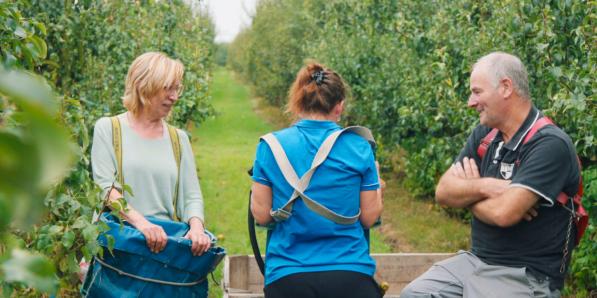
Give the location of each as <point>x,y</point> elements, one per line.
<point>466,170</point>
<point>531,213</point>
<point>491,187</point>
<point>196,234</point>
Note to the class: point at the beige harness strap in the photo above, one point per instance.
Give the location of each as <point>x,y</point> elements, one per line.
<point>177,156</point>
<point>117,143</point>
<point>300,185</point>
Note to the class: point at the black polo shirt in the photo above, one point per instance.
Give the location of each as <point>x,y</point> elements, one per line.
<point>546,165</point>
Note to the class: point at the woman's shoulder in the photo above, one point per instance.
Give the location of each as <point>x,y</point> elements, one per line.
<point>282,134</point>
<point>103,123</point>
<point>352,137</point>
<point>182,134</point>
<point>106,121</point>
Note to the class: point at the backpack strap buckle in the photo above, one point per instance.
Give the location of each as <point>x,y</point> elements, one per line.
<point>280,214</point>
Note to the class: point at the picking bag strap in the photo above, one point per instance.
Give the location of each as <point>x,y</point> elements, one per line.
<point>300,185</point>
<point>117,144</point>
<point>175,140</point>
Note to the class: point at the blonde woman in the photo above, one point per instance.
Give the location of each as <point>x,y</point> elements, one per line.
<point>148,164</point>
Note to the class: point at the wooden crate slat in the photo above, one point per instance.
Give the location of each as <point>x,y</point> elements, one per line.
<point>243,279</point>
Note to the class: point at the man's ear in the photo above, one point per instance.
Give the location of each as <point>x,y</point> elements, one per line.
<point>507,87</point>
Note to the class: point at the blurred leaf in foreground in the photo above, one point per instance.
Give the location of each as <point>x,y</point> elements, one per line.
<point>31,269</point>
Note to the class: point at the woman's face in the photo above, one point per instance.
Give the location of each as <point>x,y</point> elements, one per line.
<point>164,100</point>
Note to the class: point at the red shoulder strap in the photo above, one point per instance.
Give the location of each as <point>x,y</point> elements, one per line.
<point>581,215</point>
<point>563,198</point>
<point>540,123</point>
<point>482,149</point>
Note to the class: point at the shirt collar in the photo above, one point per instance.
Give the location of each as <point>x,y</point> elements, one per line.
<point>308,123</point>
<point>528,123</point>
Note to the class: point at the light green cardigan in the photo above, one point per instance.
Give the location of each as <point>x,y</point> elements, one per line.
<point>149,169</point>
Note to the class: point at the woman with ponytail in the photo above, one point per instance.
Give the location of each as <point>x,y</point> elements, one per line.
<point>315,249</point>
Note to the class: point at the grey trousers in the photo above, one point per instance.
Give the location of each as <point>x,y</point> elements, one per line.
<point>465,275</point>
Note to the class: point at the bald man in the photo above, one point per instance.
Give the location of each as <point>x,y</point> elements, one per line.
<point>509,181</point>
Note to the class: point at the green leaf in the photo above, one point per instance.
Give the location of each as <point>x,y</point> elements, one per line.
<point>38,46</point>
<point>20,32</point>
<point>556,71</point>
<point>118,205</point>
<point>19,163</point>
<point>50,140</point>
<point>55,229</point>
<point>33,270</point>
<point>80,222</point>
<point>5,212</point>
<point>111,242</point>
<point>68,239</point>
<point>90,233</point>
<point>129,189</point>
<point>29,91</point>
<point>542,46</point>
<point>41,27</point>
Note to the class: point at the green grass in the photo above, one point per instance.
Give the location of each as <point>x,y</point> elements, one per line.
<point>224,147</point>
<point>413,225</point>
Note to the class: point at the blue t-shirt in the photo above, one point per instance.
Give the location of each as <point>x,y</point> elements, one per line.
<point>308,242</point>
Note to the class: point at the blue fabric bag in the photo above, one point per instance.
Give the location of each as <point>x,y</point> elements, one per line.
<point>134,271</point>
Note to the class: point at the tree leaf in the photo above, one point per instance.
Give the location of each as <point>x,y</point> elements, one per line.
<point>31,269</point>
<point>68,239</point>
<point>20,32</point>
<point>129,189</point>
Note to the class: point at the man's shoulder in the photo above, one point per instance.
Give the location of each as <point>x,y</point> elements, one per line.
<point>481,130</point>
<point>478,133</point>
<point>553,138</point>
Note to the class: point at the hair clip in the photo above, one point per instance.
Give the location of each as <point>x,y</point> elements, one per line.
<point>318,77</point>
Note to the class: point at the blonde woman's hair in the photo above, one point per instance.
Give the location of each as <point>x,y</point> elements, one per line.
<point>148,74</point>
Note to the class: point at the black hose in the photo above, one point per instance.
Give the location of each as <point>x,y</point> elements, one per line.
<point>253,236</point>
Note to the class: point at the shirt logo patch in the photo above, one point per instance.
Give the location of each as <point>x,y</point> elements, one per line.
<point>506,170</point>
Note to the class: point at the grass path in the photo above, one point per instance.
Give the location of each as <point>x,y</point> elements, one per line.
<point>224,146</point>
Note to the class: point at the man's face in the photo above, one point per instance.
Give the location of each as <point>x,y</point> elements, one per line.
<point>485,98</point>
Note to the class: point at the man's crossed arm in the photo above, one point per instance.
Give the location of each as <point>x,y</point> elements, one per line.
<point>491,200</point>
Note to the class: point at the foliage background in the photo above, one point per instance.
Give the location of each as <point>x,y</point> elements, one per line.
<point>408,64</point>
<point>83,50</point>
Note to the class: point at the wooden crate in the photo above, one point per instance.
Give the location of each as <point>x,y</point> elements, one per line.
<point>242,278</point>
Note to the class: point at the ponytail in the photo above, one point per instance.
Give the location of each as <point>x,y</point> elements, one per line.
<point>316,89</point>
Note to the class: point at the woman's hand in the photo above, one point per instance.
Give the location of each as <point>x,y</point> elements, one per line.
<point>196,234</point>
<point>154,235</point>
<point>382,183</point>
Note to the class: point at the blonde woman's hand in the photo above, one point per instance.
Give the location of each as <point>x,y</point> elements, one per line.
<point>155,236</point>
<point>200,240</point>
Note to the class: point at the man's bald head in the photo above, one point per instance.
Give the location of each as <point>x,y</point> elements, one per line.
<point>499,65</point>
